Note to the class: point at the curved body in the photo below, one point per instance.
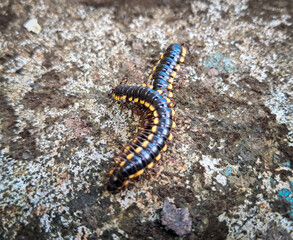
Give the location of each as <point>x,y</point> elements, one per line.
<point>157,119</point>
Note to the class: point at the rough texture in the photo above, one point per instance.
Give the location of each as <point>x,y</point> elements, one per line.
<point>176,219</point>
<point>231,162</point>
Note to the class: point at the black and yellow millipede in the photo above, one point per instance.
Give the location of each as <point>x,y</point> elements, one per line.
<point>156,101</point>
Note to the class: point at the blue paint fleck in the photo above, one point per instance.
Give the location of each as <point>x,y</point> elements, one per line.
<point>285,164</point>
<point>221,63</point>
<point>285,192</point>
<point>227,171</point>
<point>273,181</point>
<point>288,196</point>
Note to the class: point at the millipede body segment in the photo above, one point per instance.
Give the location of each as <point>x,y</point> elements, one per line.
<point>155,102</point>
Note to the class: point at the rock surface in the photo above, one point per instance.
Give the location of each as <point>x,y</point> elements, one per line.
<point>231,162</point>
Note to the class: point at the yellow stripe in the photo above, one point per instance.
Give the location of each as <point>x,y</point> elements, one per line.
<point>138,173</point>
<point>156,121</point>
<point>173,74</point>
<point>150,165</point>
<point>111,171</point>
<point>177,67</point>
<point>172,104</point>
<point>150,137</point>
<point>173,112</point>
<point>165,148</point>
<point>183,51</point>
<point>156,114</point>
<point>158,157</point>
<point>126,183</point>
<point>130,156</point>
<point>152,108</point>
<point>145,144</point>
<point>138,150</point>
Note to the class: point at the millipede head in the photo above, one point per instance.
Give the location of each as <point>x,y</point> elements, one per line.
<point>110,92</point>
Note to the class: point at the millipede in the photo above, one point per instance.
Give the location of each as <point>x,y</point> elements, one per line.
<point>155,101</point>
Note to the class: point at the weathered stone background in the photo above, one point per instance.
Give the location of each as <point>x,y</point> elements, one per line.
<point>230,164</point>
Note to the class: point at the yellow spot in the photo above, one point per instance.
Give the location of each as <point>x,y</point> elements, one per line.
<point>168,100</point>
<point>170,87</point>
<point>154,69</point>
<point>138,150</point>
<point>170,137</point>
<point>122,164</point>
<point>156,121</point>
<point>135,141</point>
<point>156,114</point>
<point>130,156</point>
<point>142,101</point>
<point>144,85</point>
<point>154,129</point>
<point>158,157</point>
<point>158,62</point>
<point>177,67</point>
<point>183,51</point>
<point>131,176</point>
<point>173,124</point>
<point>173,74</point>
<point>111,171</point>
<point>126,183</point>
<point>145,144</point>
<point>150,165</point>
<point>130,99</point>
<point>147,104</point>
<point>171,80</point>
<point>181,59</point>
<point>150,137</point>
<point>160,91</point>
<point>151,76</point>
<point>162,56</point>
<point>123,97</point>
<point>165,148</point>
<point>151,86</point>
<point>170,95</point>
<point>138,173</point>
<point>136,99</point>
<point>152,108</point>
<point>114,95</point>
